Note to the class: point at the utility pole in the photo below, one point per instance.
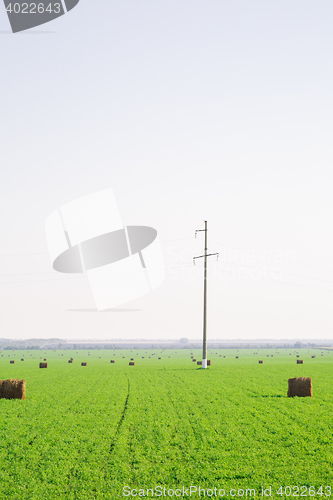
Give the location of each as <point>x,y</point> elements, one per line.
<point>204,349</point>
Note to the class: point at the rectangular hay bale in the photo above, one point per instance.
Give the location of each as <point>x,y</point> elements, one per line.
<point>209,363</point>
<point>12,389</point>
<point>199,363</point>
<point>12,362</point>
<point>260,361</point>
<point>42,365</point>
<point>300,386</point>
<point>131,363</point>
<point>112,361</point>
<point>299,361</point>
<point>70,361</point>
<point>84,363</point>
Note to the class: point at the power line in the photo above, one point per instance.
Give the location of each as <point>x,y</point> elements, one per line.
<point>281,272</point>
<point>128,269</point>
<point>272,257</point>
<point>276,281</point>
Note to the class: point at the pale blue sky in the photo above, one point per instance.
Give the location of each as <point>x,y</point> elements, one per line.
<point>188,110</point>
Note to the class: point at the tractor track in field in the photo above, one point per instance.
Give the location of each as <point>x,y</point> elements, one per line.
<point>122,416</point>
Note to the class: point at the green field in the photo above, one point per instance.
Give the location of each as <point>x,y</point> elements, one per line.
<point>87,432</point>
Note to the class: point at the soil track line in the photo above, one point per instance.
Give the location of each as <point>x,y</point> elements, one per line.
<point>122,416</point>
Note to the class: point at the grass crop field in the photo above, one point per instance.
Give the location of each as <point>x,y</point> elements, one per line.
<point>87,432</point>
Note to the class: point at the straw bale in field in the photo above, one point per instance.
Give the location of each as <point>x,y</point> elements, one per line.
<point>299,361</point>
<point>45,359</point>
<point>300,386</point>
<point>42,365</point>
<point>12,389</point>
<point>224,356</point>
<point>22,359</point>
<point>209,363</point>
<point>297,355</point>
<point>199,363</point>
<point>84,363</point>
<point>159,358</point>
<point>11,361</point>
<point>194,359</point>
<point>132,359</point>
<point>70,361</point>
<point>237,357</point>
<point>112,361</point>
<point>260,361</point>
<point>131,363</point>
<point>313,356</point>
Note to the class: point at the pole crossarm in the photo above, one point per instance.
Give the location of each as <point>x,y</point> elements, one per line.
<point>208,255</point>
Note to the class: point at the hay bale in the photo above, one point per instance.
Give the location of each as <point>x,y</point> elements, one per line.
<point>11,361</point>
<point>112,361</point>
<point>42,365</point>
<point>313,356</point>
<point>45,359</point>
<point>237,357</point>
<point>84,363</point>
<point>131,363</point>
<point>12,389</point>
<point>159,358</point>
<point>260,361</point>
<point>300,386</point>
<point>299,361</point>
<point>22,359</point>
<point>224,356</point>
<point>209,363</point>
<point>70,361</point>
<point>132,359</point>
<point>199,363</point>
<point>297,355</point>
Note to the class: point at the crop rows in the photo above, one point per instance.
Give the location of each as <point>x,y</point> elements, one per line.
<point>86,432</point>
